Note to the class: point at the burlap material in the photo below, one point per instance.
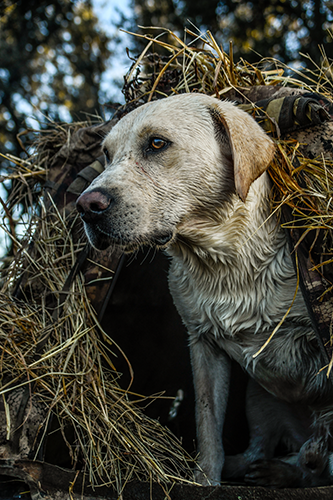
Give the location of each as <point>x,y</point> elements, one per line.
<point>291,112</point>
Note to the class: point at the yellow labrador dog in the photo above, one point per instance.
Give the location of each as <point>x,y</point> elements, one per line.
<point>187,174</point>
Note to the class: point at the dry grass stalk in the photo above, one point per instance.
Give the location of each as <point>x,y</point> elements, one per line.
<point>305,185</point>
<point>201,65</point>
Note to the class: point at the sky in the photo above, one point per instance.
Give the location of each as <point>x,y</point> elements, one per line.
<point>107,13</point>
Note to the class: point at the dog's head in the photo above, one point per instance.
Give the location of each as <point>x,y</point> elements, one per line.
<point>166,161</point>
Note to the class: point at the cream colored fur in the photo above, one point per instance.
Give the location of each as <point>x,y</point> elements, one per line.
<point>204,198</point>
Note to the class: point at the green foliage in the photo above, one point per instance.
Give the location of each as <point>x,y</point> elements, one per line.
<point>278,28</point>
<point>52,56</point>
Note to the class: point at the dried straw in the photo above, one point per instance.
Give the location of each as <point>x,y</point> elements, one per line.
<point>303,184</point>
<point>201,65</point>
<point>75,370</point>
<point>61,350</point>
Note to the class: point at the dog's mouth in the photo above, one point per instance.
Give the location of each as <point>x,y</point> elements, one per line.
<point>101,240</point>
<point>97,238</point>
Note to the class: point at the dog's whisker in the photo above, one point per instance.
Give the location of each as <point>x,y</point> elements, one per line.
<point>145,255</point>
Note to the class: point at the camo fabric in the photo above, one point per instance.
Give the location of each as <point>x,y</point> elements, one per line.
<point>282,112</point>
<point>294,113</point>
<point>307,118</point>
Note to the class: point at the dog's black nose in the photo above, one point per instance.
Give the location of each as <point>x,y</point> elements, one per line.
<point>92,205</point>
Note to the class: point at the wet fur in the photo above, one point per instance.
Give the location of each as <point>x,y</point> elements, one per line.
<point>205,200</point>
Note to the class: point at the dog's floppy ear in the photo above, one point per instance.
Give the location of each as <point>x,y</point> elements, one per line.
<point>252,150</point>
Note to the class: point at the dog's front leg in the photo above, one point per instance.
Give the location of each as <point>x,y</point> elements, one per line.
<point>211,375</point>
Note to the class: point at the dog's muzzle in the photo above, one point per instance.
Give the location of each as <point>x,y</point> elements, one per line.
<point>97,209</point>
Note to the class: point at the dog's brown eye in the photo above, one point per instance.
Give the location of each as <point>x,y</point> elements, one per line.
<point>157,143</point>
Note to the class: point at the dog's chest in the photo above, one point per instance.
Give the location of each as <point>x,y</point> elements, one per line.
<point>238,306</point>
<point>226,299</point>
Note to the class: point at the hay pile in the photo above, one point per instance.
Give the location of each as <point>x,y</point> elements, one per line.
<point>56,346</point>
<point>201,65</point>
<point>301,182</point>
<point>52,343</point>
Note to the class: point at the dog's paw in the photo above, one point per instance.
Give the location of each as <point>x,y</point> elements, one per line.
<point>313,457</point>
<point>201,478</point>
<point>273,474</point>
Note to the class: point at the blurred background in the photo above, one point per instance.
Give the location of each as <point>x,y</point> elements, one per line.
<point>64,60</point>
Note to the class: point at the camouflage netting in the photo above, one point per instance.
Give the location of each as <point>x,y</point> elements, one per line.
<point>296,109</point>
<point>55,358</point>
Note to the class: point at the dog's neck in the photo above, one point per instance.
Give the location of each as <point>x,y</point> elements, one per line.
<point>243,262</point>
<point>236,231</point>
